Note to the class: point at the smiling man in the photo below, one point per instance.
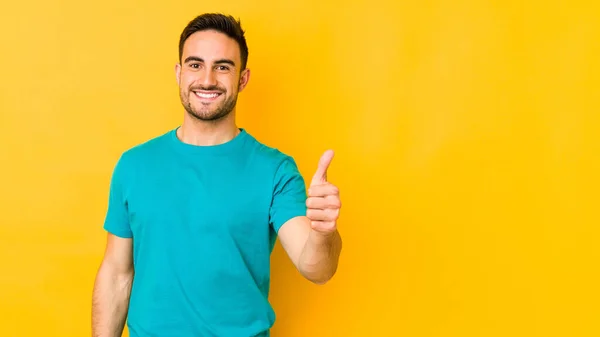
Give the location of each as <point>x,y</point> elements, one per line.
<point>194,213</point>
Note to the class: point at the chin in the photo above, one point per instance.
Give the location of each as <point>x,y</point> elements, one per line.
<point>208,116</point>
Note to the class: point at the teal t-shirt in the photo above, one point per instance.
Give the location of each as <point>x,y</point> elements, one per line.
<point>204,220</point>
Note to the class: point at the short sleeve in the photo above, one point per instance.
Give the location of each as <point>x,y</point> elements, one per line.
<point>289,194</point>
<point>117,219</point>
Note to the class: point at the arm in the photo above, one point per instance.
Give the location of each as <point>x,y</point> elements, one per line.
<point>313,242</point>
<point>112,288</point>
<point>315,254</point>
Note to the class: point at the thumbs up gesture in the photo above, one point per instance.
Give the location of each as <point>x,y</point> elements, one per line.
<point>323,202</point>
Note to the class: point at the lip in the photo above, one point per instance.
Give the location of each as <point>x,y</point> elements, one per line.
<point>207,96</point>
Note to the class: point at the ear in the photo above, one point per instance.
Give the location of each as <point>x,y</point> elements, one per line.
<point>178,73</point>
<point>244,78</point>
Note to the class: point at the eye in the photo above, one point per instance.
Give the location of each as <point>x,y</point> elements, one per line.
<point>195,65</point>
<point>223,68</point>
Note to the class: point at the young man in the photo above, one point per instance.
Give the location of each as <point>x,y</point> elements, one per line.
<point>194,213</point>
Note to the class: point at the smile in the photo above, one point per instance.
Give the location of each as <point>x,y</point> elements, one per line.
<point>207,95</point>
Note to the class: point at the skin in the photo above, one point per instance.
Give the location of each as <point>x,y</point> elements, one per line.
<point>313,242</point>
<point>211,65</point>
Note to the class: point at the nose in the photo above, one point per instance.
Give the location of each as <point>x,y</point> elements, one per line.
<point>208,78</point>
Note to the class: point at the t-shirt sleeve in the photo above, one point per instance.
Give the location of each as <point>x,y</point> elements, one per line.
<point>117,219</point>
<point>289,194</point>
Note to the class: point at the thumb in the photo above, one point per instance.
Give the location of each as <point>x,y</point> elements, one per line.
<point>320,176</point>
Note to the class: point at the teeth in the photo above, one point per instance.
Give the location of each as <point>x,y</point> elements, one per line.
<point>199,94</point>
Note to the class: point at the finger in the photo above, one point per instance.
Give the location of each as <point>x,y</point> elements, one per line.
<point>322,214</point>
<point>323,226</point>
<point>323,190</point>
<point>323,202</point>
<point>320,175</point>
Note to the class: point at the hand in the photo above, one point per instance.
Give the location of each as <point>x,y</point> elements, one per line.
<point>323,202</point>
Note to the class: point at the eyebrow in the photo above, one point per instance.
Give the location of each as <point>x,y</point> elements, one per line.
<point>219,61</point>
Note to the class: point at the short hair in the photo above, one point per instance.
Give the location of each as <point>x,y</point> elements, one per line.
<point>225,24</point>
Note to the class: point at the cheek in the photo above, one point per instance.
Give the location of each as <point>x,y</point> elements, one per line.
<point>228,81</point>
<point>186,80</point>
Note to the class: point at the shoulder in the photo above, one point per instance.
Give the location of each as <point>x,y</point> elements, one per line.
<point>142,152</point>
<point>281,166</point>
<point>272,156</point>
<point>149,147</point>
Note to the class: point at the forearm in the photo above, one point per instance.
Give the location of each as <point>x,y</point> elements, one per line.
<point>110,302</point>
<point>319,258</point>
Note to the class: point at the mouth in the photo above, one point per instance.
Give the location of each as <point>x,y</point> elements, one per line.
<point>207,95</point>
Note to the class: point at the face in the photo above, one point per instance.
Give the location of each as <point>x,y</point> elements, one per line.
<point>210,75</point>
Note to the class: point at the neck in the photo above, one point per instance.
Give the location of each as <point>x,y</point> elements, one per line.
<point>207,133</point>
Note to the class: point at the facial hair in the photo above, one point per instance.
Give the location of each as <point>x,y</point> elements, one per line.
<point>218,112</point>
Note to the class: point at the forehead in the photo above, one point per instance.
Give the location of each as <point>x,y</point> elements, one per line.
<point>210,44</point>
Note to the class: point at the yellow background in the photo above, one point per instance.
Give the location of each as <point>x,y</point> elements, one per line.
<point>467,152</point>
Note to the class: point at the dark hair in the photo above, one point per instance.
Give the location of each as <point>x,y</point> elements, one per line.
<point>225,24</point>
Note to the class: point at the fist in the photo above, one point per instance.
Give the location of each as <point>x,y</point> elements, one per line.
<point>323,202</point>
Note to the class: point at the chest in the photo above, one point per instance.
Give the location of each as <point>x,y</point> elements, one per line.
<point>201,204</point>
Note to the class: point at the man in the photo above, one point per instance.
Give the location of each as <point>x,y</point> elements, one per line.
<point>194,213</point>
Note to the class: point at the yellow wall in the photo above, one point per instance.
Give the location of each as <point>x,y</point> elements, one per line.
<point>467,138</point>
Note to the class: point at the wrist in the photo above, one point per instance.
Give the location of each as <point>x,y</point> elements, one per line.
<point>322,236</point>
